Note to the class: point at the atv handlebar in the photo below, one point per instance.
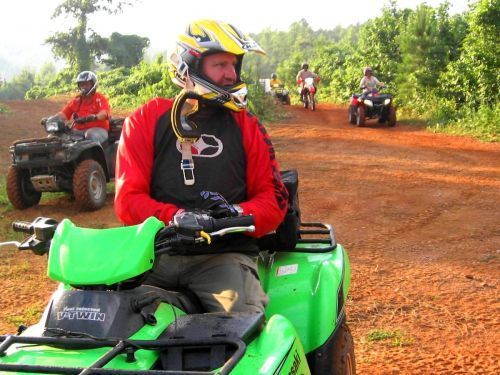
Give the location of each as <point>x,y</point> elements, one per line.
<point>41,231</point>
<point>23,226</point>
<point>202,230</point>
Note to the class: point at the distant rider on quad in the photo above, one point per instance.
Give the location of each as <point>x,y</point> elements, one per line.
<point>302,75</point>
<point>369,82</point>
<point>275,81</point>
<point>89,109</point>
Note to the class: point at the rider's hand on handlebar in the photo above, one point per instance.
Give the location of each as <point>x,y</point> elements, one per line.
<point>187,219</point>
<point>218,205</point>
<point>81,120</point>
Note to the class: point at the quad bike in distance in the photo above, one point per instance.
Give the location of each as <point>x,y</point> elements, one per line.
<point>307,93</point>
<point>372,105</point>
<point>64,161</point>
<point>104,320</point>
<point>281,93</point>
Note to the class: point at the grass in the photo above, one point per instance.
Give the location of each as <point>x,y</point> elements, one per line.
<point>395,338</point>
<point>29,315</point>
<point>3,108</point>
<point>5,205</point>
<point>488,258</point>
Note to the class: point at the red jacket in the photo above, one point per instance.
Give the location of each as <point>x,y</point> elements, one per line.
<point>266,194</point>
<point>84,106</point>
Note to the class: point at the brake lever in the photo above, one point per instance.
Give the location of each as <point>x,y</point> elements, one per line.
<point>222,232</point>
<point>15,243</point>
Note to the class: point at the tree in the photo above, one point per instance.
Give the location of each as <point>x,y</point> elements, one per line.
<point>124,50</point>
<point>474,76</point>
<point>81,45</point>
<point>18,85</point>
<point>378,45</point>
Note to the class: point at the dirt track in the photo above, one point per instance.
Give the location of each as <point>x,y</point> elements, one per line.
<point>418,213</point>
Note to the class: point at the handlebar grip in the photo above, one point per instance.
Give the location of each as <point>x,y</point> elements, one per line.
<point>22,226</point>
<point>238,221</point>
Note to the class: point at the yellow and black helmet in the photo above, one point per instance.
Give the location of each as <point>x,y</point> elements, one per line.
<point>204,37</point>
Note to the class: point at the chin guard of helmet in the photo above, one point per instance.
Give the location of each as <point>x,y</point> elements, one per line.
<point>184,127</point>
<point>186,130</point>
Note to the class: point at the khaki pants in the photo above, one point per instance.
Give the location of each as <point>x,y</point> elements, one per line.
<point>222,282</point>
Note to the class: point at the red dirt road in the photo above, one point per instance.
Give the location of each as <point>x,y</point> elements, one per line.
<point>418,213</point>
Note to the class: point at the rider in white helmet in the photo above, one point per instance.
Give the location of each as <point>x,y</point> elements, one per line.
<point>369,82</point>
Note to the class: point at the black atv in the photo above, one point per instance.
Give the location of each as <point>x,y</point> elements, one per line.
<point>281,94</point>
<point>372,105</point>
<point>63,161</point>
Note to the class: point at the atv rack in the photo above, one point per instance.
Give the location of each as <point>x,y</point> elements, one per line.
<point>118,346</point>
<point>320,228</point>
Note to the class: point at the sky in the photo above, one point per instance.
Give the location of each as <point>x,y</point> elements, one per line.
<point>25,24</point>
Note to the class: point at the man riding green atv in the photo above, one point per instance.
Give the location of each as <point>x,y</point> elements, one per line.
<point>206,212</point>
<point>104,320</point>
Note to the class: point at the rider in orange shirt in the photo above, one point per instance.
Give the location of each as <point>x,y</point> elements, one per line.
<point>89,109</point>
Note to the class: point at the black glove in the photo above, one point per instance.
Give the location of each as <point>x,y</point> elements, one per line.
<point>89,118</point>
<point>190,222</point>
<point>218,205</point>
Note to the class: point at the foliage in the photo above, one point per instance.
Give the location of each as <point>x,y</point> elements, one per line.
<point>129,88</point>
<point>61,83</point>
<point>80,46</point>
<point>263,105</point>
<point>17,87</point>
<point>124,50</point>
<point>473,78</point>
<point>482,123</point>
<point>4,201</point>
<point>441,68</point>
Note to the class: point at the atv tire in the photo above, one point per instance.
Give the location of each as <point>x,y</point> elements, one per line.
<point>352,115</point>
<point>20,190</point>
<point>335,356</point>
<point>343,352</point>
<point>360,116</point>
<point>89,185</point>
<point>391,116</point>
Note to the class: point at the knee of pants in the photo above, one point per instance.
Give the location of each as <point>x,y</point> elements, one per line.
<point>96,134</point>
<point>233,286</point>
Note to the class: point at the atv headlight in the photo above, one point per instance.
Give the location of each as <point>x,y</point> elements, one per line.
<point>367,102</point>
<point>59,155</point>
<point>52,127</point>
<point>387,101</point>
<point>22,157</point>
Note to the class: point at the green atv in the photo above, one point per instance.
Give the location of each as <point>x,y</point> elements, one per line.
<point>104,320</point>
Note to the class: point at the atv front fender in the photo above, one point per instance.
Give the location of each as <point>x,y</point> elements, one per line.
<point>277,350</point>
<point>308,289</point>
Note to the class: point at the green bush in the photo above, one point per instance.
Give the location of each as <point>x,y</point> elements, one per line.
<point>482,123</point>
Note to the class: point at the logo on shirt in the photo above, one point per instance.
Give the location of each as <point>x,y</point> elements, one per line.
<point>207,146</point>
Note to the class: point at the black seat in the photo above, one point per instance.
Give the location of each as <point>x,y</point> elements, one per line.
<point>286,235</point>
